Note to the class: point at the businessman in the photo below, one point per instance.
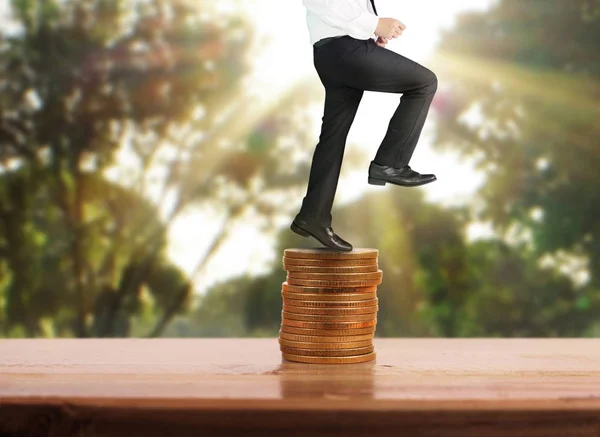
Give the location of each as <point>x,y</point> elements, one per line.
<point>350,57</point>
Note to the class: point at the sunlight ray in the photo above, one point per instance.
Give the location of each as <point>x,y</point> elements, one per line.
<point>568,91</point>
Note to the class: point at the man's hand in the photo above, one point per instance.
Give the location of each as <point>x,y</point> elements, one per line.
<point>389,28</point>
<point>381,42</point>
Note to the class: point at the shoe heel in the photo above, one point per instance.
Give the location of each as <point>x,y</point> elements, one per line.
<point>299,231</point>
<point>374,181</point>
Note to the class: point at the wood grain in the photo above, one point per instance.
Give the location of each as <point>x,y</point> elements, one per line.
<point>422,387</point>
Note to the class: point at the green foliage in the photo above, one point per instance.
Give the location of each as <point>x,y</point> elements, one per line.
<point>81,79</point>
<point>536,92</point>
<point>517,298</point>
<point>242,307</point>
<point>527,33</point>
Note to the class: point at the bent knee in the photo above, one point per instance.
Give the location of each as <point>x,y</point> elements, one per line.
<point>431,83</point>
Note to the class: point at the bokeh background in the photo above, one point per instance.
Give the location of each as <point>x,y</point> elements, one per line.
<point>153,154</point>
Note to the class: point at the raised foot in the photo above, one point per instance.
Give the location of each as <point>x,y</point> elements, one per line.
<point>404,176</point>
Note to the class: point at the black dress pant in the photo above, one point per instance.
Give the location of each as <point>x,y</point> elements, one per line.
<point>347,67</point>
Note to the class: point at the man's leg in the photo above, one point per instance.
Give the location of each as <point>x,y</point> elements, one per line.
<point>374,68</point>
<point>341,104</point>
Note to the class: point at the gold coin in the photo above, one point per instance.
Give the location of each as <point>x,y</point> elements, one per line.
<point>309,270</point>
<point>328,353</point>
<point>329,262</point>
<point>328,346</point>
<point>322,304</point>
<point>329,297</point>
<point>330,360</point>
<point>328,325</point>
<point>302,289</point>
<point>330,311</point>
<point>327,332</point>
<point>326,253</point>
<point>337,276</point>
<point>324,339</point>
<point>333,284</point>
<point>320,318</point>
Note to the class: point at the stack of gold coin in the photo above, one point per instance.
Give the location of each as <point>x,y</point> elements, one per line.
<point>329,305</point>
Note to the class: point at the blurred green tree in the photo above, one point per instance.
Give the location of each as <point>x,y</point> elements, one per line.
<point>81,80</point>
<point>515,297</point>
<point>521,99</point>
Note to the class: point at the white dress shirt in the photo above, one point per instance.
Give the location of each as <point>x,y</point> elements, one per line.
<point>340,17</point>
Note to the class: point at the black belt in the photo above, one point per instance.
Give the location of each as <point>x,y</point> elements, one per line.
<point>326,40</point>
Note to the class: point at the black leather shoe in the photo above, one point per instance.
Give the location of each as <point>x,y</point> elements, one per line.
<point>324,235</point>
<point>405,176</point>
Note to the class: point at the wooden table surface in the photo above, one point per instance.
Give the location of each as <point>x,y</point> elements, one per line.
<point>441,387</point>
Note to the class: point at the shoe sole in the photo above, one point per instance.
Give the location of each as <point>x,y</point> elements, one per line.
<point>382,182</point>
<point>298,230</point>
